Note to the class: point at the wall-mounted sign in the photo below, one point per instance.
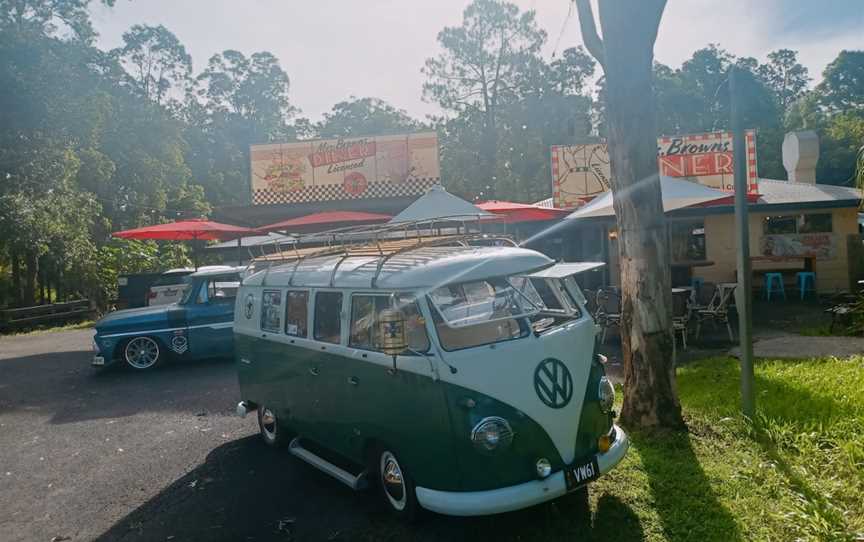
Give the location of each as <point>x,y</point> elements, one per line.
<point>706,158</point>
<point>580,172</point>
<point>341,169</point>
<point>821,246</point>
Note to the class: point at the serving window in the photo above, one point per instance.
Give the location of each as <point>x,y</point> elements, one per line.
<point>792,224</point>
<point>296,313</point>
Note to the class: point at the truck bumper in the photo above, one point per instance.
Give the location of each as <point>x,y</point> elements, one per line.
<point>506,499</point>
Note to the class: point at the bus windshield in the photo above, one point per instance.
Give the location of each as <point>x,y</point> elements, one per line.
<point>480,312</point>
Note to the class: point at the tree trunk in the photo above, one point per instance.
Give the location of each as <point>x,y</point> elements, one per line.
<point>32,263</point>
<point>629,30</point>
<point>16,278</point>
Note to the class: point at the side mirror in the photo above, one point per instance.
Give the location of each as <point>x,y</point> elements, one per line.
<point>391,324</point>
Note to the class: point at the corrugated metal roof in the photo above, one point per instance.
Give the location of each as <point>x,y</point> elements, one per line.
<point>774,192</point>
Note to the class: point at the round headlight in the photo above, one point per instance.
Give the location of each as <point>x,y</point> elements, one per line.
<point>544,467</point>
<point>492,434</point>
<point>606,395</point>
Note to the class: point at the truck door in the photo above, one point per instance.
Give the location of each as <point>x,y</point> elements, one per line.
<point>210,316</point>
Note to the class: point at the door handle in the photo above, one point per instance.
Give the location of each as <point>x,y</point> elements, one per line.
<point>313,371</point>
<point>353,380</point>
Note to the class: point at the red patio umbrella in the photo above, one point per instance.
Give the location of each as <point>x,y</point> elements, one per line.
<point>512,212</point>
<point>194,229</point>
<point>325,220</point>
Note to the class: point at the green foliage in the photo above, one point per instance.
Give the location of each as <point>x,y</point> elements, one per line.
<point>363,116</point>
<point>506,105</point>
<point>156,61</point>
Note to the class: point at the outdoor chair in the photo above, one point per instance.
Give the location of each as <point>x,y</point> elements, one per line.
<point>703,295</point>
<point>608,310</point>
<point>717,311</point>
<point>591,302</point>
<point>680,317</point>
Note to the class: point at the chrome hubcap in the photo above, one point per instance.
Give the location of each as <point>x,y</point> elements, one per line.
<point>268,424</point>
<point>142,352</point>
<point>393,481</point>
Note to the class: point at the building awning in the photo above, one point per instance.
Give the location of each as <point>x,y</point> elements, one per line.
<point>326,220</point>
<point>438,204</point>
<point>511,212</point>
<point>676,193</point>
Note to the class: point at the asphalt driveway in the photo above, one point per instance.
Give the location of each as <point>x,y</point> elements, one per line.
<point>115,455</point>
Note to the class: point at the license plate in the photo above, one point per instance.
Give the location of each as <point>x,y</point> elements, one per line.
<point>579,474</point>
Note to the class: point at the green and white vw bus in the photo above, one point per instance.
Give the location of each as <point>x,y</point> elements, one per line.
<point>455,377</point>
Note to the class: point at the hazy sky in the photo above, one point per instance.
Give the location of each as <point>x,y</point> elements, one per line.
<point>332,49</point>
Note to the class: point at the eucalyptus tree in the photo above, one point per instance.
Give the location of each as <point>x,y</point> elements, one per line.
<point>626,53</point>
<point>156,61</point>
<point>480,69</point>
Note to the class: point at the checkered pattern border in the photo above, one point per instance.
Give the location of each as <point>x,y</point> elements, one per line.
<point>334,192</point>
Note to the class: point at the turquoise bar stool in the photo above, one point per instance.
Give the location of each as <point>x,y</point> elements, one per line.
<point>774,284</point>
<point>806,282</point>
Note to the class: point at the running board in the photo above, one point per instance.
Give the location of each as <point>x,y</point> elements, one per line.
<point>354,482</point>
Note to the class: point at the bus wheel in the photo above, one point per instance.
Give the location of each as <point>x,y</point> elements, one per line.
<point>396,486</point>
<point>273,432</point>
<point>142,353</point>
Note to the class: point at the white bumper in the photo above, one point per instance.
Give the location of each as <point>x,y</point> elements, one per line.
<point>506,499</point>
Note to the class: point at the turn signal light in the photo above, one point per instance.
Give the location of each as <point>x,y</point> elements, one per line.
<point>604,443</point>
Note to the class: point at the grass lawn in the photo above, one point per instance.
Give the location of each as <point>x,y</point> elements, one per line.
<point>796,473</point>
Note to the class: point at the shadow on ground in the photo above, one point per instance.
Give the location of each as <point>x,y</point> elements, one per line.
<point>247,491</point>
<point>63,384</point>
<point>689,510</point>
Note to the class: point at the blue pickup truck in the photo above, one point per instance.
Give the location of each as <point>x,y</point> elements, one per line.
<point>198,326</point>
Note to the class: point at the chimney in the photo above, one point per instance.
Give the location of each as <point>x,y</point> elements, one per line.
<point>800,155</point>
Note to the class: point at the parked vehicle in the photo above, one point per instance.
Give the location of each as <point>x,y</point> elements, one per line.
<point>169,287</point>
<point>198,326</point>
<point>133,290</point>
<point>460,379</point>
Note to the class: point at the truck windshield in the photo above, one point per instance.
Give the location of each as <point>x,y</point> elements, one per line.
<point>480,312</point>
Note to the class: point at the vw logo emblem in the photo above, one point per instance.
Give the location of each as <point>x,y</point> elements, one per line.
<point>250,306</point>
<point>553,383</point>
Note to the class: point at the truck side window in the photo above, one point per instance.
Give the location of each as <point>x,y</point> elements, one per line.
<point>328,317</point>
<point>271,311</point>
<point>296,313</point>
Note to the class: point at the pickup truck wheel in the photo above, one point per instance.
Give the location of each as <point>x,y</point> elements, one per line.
<point>397,487</point>
<point>142,353</point>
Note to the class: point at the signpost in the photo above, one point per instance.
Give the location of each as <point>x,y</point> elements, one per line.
<point>744,291</point>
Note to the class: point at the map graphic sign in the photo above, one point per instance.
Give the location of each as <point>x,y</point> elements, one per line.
<point>344,168</point>
<point>580,172</point>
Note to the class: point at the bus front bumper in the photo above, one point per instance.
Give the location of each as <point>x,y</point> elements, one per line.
<point>506,499</point>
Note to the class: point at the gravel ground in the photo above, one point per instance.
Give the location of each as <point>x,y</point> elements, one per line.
<point>116,455</point>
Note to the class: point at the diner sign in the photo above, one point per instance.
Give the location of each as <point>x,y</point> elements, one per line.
<point>344,168</point>
<point>580,172</point>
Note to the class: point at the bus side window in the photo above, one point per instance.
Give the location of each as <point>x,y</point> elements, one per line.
<point>297,313</point>
<point>364,320</point>
<point>271,311</point>
<point>328,317</point>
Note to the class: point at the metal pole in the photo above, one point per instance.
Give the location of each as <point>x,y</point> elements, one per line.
<point>744,291</point>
